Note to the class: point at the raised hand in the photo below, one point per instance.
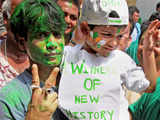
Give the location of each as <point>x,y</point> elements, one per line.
<point>43,102</point>
<point>151,37</point>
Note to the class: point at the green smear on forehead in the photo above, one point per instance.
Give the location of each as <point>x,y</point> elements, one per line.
<point>118,30</point>
<point>95,35</point>
<point>70,3</point>
<point>37,16</point>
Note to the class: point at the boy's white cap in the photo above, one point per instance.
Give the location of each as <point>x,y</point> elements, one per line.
<point>97,12</point>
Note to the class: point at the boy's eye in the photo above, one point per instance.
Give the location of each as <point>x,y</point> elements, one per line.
<point>56,35</point>
<point>73,17</point>
<point>119,36</point>
<point>42,35</point>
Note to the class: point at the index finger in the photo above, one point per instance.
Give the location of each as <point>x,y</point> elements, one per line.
<point>35,76</point>
<point>51,81</point>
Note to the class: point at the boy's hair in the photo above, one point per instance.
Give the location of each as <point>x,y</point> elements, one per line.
<point>158,5</point>
<point>37,16</point>
<point>144,26</point>
<point>154,16</point>
<point>75,2</point>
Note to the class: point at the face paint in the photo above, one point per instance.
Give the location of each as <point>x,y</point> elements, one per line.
<point>47,51</point>
<point>118,30</point>
<point>70,3</point>
<point>100,43</point>
<point>95,35</point>
<point>98,46</point>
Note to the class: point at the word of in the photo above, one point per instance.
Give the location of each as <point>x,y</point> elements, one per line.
<point>90,84</point>
<point>102,115</point>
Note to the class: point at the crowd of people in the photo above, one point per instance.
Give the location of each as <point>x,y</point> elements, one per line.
<point>78,60</point>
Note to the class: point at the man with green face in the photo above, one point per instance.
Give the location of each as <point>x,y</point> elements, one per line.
<point>39,26</point>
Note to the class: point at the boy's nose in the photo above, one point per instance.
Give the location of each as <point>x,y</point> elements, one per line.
<point>51,46</point>
<point>113,43</point>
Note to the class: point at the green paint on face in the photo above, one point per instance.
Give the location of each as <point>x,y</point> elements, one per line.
<point>95,35</point>
<point>98,45</point>
<point>70,3</point>
<point>118,30</point>
<point>37,16</point>
<point>47,50</point>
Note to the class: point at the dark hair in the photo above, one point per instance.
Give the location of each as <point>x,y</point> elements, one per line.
<point>154,16</point>
<point>37,16</point>
<point>132,10</point>
<point>158,5</point>
<point>1,2</point>
<point>76,2</point>
<point>113,14</point>
<point>144,27</point>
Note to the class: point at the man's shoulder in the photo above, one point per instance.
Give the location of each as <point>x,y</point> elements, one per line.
<point>16,88</point>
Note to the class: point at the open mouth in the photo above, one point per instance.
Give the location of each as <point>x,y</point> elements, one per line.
<point>108,48</point>
<point>53,56</point>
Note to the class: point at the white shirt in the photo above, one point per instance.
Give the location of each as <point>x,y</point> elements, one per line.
<point>94,91</point>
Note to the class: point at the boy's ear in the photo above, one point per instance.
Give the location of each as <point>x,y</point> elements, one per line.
<point>21,43</point>
<point>85,28</point>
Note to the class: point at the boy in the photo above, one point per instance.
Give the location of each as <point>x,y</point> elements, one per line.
<point>147,107</point>
<point>91,83</point>
<point>39,25</point>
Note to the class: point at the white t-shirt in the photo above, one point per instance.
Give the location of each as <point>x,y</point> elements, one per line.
<point>91,85</point>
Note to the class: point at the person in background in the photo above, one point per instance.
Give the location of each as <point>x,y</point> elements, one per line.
<point>147,107</point>
<point>136,31</point>
<point>13,59</point>
<point>158,7</point>
<point>2,27</point>
<point>71,9</point>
